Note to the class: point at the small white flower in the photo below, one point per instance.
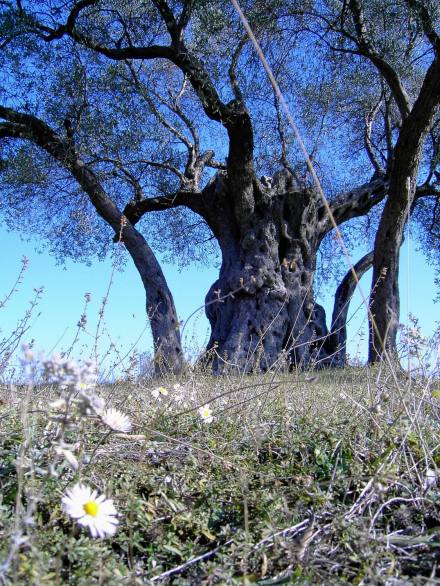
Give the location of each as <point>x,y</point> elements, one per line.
<point>90,510</point>
<point>158,391</point>
<point>206,414</point>
<point>116,420</point>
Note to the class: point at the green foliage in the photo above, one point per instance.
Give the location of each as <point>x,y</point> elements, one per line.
<point>120,122</point>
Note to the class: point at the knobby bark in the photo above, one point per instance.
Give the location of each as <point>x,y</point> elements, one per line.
<point>159,304</point>
<point>261,308</point>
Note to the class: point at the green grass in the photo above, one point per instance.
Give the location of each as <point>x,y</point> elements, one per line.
<point>351,449</point>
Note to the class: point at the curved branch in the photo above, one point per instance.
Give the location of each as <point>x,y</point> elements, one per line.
<point>26,126</point>
<point>231,72</point>
<point>165,123</point>
<point>160,305</point>
<point>337,339</point>
<point>233,115</point>
<point>427,25</point>
<point>134,210</point>
<point>66,29</point>
<point>185,15</point>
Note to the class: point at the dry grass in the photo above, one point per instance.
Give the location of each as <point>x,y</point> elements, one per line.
<point>325,478</point>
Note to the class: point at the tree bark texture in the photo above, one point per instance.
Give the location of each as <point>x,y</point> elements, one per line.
<point>261,308</point>
<point>262,303</point>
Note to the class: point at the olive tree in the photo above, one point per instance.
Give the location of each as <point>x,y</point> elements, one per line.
<point>397,43</point>
<point>161,110</point>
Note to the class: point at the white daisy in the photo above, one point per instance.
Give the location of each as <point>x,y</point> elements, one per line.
<point>206,414</point>
<point>116,420</point>
<point>90,510</point>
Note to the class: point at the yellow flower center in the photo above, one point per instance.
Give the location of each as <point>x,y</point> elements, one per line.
<point>91,508</point>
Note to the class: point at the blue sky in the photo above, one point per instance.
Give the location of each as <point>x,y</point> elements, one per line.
<point>64,287</point>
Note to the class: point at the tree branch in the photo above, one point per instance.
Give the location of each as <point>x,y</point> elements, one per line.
<point>134,210</point>
<point>185,15</point>
<point>233,115</point>
<point>427,25</point>
<point>427,190</point>
<point>231,72</point>
<point>369,120</point>
<point>169,20</point>
<point>388,134</point>
<point>68,28</point>
<point>284,159</point>
<point>337,339</point>
<point>367,49</point>
<point>353,203</point>
<point>28,127</point>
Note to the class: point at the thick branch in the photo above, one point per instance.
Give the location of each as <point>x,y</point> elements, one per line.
<point>31,128</point>
<point>70,23</point>
<point>233,116</point>
<point>353,203</point>
<point>160,305</point>
<point>427,190</point>
<point>134,210</point>
<point>385,302</point>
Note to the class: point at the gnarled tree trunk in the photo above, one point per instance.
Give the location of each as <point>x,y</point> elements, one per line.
<point>261,308</point>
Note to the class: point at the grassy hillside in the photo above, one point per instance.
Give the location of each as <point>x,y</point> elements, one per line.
<point>324,478</point>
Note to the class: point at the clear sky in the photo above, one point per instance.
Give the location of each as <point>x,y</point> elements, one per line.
<point>54,323</point>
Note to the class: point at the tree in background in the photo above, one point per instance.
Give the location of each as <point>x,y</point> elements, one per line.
<point>133,100</point>
<point>399,44</point>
